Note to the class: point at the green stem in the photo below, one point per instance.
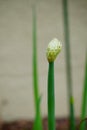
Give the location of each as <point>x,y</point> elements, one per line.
<point>68,65</point>
<point>51,98</point>
<point>84,100</point>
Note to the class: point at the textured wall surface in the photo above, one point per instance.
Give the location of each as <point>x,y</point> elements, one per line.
<point>16,91</point>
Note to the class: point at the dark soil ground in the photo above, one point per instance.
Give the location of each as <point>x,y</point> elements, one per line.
<point>61,124</point>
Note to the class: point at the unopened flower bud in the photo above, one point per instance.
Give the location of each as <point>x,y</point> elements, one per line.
<point>53,49</point>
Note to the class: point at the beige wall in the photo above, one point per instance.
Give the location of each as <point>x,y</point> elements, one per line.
<point>16,99</point>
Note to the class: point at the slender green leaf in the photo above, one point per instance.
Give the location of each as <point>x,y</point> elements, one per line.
<point>84,99</point>
<point>38,120</point>
<point>68,65</point>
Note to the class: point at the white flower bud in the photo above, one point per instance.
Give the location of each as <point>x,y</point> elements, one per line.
<point>53,49</point>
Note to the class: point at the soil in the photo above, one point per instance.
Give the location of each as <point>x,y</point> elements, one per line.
<point>61,124</point>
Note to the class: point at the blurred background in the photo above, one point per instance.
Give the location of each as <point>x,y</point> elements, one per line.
<point>16,88</point>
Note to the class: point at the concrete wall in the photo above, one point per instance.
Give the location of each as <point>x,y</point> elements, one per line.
<point>16,90</point>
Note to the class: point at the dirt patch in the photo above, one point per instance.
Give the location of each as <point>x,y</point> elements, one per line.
<point>61,124</point>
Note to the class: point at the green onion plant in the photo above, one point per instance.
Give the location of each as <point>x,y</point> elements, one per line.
<point>53,49</point>
<point>38,120</point>
<point>68,65</point>
<point>84,99</point>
